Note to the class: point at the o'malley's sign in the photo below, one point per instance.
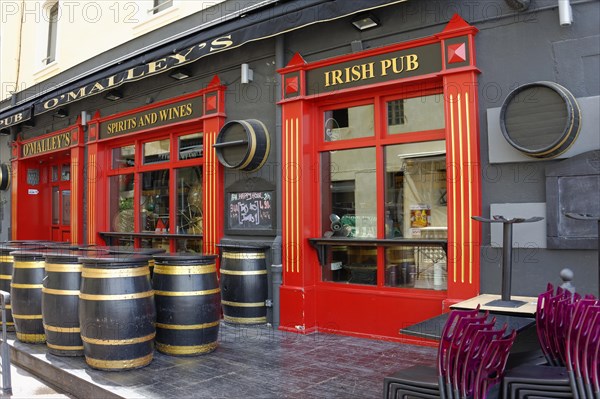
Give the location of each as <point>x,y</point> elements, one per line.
<point>47,144</point>
<point>151,68</point>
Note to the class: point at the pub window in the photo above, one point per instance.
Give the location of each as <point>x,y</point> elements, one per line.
<point>415,114</point>
<point>412,204</point>
<point>121,203</point>
<point>154,202</point>
<point>33,177</point>
<point>123,157</point>
<point>52,34</point>
<point>349,123</point>
<point>160,5</point>
<point>191,146</point>
<point>157,151</point>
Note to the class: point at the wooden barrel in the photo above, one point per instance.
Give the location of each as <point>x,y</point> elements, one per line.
<point>243,145</point>
<point>116,312</point>
<point>136,251</point>
<point>26,295</point>
<point>244,284</point>
<point>60,303</point>
<point>188,304</point>
<point>6,271</point>
<point>4,177</point>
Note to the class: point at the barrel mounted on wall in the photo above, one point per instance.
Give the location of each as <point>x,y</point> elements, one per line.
<point>4,177</point>
<point>243,145</point>
<point>541,119</point>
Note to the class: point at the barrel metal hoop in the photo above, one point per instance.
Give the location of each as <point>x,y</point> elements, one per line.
<point>5,276</point>
<point>113,342</point>
<point>63,268</point>
<point>27,316</point>
<point>115,273</point>
<point>119,364</point>
<point>245,320</point>
<point>53,291</point>
<point>187,327</point>
<point>243,255</point>
<point>64,348</point>
<point>243,272</point>
<point>31,338</point>
<point>115,297</point>
<point>30,265</point>
<point>186,350</point>
<point>184,270</point>
<point>62,329</point>
<point>26,286</point>
<point>6,259</point>
<point>187,293</point>
<point>243,304</point>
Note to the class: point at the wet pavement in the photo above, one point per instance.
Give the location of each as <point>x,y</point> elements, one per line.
<point>250,362</point>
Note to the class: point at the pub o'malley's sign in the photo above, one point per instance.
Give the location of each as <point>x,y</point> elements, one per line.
<point>151,68</point>
<point>46,144</point>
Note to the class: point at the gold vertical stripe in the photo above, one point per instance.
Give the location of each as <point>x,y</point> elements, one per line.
<point>297,215</point>
<point>213,201</point>
<point>452,149</point>
<point>470,213</point>
<point>14,223</point>
<point>462,189</point>
<point>286,194</point>
<point>291,202</point>
<point>293,195</point>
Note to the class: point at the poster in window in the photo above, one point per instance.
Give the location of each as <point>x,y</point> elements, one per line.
<point>420,217</point>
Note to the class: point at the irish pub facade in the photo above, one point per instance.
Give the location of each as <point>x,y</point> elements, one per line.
<point>356,160</point>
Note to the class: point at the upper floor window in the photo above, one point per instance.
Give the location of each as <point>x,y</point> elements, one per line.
<point>161,5</point>
<point>52,34</point>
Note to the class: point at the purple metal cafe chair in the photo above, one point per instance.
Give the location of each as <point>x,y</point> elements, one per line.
<point>491,370</point>
<point>580,329</point>
<point>590,357</point>
<point>473,360</point>
<point>424,381</point>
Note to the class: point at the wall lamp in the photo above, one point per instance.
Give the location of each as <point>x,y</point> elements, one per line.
<point>180,74</point>
<point>247,74</point>
<point>113,95</point>
<point>565,13</point>
<point>365,21</point>
<point>61,113</point>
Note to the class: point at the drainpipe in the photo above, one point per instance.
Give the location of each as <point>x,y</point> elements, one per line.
<point>276,267</point>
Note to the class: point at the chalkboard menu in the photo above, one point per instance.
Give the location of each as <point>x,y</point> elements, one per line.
<point>250,210</point>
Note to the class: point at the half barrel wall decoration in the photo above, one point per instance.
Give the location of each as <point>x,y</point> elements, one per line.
<point>541,119</point>
<point>243,145</point>
<point>4,177</point>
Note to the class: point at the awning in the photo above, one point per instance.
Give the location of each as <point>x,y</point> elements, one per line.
<point>226,33</point>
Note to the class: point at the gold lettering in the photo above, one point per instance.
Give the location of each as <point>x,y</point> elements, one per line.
<point>385,65</point>
<point>336,77</point>
<point>18,117</point>
<point>96,88</point>
<point>221,43</point>
<point>111,81</point>
<point>327,82</point>
<point>53,102</point>
<point>412,62</point>
<point>158,65</point>
<point>181,57</point>
<point>356,75</point>
<point>367,70</point>
<point>67,139</point>
<point>74,95</point>
<point>131,73</point>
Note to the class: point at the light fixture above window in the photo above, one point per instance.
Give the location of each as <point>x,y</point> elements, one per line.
<point>61,113</point>
<point>180,74</point>
<point>365,21</point>
<point>113,95</point>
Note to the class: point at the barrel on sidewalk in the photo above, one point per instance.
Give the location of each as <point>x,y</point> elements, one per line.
<point>60,303</point>
<point>244,282</point>
<point>117,312</point>
<point>188,303</point>
<point>26,295</point>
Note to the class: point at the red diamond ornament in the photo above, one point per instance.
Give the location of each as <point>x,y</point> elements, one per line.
<point>457,53</point>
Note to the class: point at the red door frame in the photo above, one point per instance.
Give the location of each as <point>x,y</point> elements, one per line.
<point>308,304</point>
<point>48,147</point>
<point>213,117</point>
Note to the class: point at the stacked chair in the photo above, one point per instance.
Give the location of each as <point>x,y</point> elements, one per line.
<point>568,328</point>
<point>471,359</point>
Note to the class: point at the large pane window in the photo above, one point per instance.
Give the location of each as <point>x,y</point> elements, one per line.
<point>123,157</point>
<point>52,34</point>
<point>157,151</point>
<point>349,194</point>
<point>121,203</point>
<point>415,208</point>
